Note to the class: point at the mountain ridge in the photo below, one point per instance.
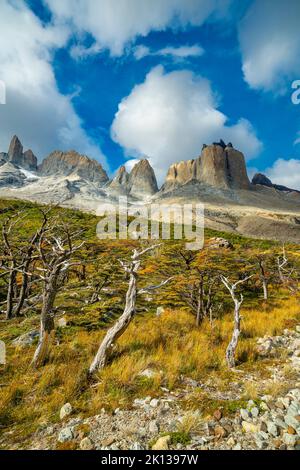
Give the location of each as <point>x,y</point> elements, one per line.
<point>217,178</point>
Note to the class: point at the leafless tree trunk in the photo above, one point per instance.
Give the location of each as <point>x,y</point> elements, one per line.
<point>56,263</point>
<point>264,279</point>
<point>231,349</point>
<point>129,311</point>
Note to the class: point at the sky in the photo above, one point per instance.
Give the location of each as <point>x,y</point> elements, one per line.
<point>120,80</point>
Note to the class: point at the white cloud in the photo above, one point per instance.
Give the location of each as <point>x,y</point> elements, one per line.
<point>176,53</point>
<point>270,44</point>
<point>80,52</point>
<point>170,116</point>
<point>285,172</point>
<point>36,111</point>
<point>115,24</point>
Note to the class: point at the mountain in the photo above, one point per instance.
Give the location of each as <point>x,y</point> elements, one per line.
<point>217,178</point>
<point>219,165</point>
<point>72,163</point>
<point>139,183</point>
<point>15,155</point>
<point>263,180</point>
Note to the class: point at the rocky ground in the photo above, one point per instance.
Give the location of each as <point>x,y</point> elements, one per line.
<point>269,422</point>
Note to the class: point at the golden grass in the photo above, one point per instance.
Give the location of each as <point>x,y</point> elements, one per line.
<point>171,345</point>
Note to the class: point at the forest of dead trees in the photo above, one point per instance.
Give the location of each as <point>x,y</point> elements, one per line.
<point>36,264</point>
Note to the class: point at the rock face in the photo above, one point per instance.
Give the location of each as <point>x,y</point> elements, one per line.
<point>139,183</point>
<point>142,180</point>
<point>263,180</point>
<point>68,163</point>
<point>15,151</point>
<point>119,184</point>
<point>27,160</point>
<point>219,166</point>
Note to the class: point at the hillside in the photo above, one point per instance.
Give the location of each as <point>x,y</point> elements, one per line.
<point>166,376</point>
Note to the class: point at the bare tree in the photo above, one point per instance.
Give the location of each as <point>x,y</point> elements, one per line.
<point>129,311</point>
<point>18,257</point>
<point>231,349</point>
<point>285,273</point>
<point>264,278</point>
<point>9,263</point>
<point>55,255</point>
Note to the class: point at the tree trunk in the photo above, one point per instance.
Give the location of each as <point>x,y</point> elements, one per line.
<point>47,322</point>
<point>119,327</point>
<point>265,289</point>
<point>231,349</point>
<point>23,292</point>
<point>10,293</point>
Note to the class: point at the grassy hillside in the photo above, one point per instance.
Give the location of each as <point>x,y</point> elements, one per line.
<point>170,344</point>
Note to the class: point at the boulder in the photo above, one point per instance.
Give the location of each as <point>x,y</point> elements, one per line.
<point>65,411</point>
<point>26,340</point>
<point>162,443</point>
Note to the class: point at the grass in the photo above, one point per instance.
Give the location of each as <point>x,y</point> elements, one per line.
<point>171,345</point>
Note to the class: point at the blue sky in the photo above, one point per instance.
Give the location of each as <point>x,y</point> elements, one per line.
<point>154,78</point>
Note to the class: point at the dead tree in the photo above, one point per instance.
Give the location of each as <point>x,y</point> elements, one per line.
<point>55,255</point>
<point>231,349</point>
<point>264,278</point>
<point>18,258</point>
<point>123,322</point>
<point>9,264</point>
<point>285,274</point>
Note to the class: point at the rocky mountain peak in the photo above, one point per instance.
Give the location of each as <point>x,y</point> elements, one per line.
<point>219,165</point>
<point>26,160</point>
<point>71,162</point>
<point>263,180</point>
<point>15,151</point>
<point>142,180</point>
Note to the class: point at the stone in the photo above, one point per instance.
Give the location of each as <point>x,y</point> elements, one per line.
<point>65,411</point>
<point>231,442</point>
<point>86,444</point>
<point>272,429</point>
<point>238,446</point>
<point>263,427</point>
<point>66,435</point>
<point>291,430</point>
<point>218,415</point>
<point>220,432</point>
<point>153,427</point>
<point>254,412</point>
<point>136,446</point>
<point>250,427</point>
<point>154,403</point>
<point>162,443</point>
<point>62,322</point>
<point>108,441</point>
<point>245,414</point>
<point>148,373</point>
<point>26,340</point>
<point>289,439</point>
<point>160,311</point>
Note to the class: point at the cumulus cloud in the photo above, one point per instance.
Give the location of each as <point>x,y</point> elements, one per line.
<point>176,53</point>
<point>115,24</point>
<point>170,115</point>
<point>35,110</point>
<point>285,172</point>
<point>270,44</point>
